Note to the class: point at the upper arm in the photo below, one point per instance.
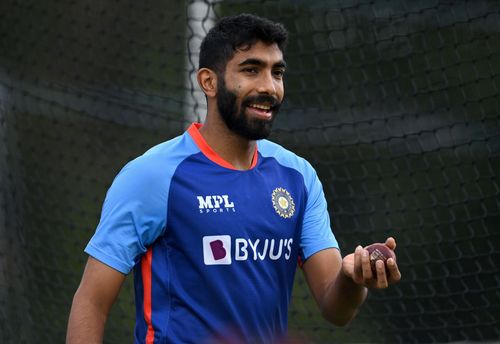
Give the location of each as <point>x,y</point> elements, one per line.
<point>320,271</point>
<point>316,233</point>
<point>93,299</point>
<point>133,214</point>
<point>100,284</point>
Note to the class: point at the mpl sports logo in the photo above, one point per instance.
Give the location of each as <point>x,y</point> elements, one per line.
<point>218,249</point>
<point>215,204</point>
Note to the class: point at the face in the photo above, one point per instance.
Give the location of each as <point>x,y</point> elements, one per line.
<point>251,91</point>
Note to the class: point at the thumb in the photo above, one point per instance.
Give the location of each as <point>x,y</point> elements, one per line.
<point>391,243</point>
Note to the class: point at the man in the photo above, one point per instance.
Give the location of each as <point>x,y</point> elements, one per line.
<point>214,221</point>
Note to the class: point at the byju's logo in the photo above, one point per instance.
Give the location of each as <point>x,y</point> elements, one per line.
<point>215,204</point>
<point>217,250</point>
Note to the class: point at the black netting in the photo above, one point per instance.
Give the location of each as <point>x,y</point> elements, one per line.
<point>395,103</point>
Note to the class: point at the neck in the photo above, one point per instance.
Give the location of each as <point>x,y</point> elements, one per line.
<point>236,150</point>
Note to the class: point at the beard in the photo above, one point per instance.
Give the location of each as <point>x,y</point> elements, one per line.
<point>235,119</point>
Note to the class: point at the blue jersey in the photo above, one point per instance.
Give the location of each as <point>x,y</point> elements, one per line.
<point>214,249</point>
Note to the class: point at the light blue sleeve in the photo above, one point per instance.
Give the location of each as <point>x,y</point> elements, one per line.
<point>316,234</point>
<point>134,213</point>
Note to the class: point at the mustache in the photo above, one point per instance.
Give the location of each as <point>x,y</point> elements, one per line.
<point>272,101</point>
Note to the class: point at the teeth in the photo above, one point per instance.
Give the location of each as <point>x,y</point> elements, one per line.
<point>262,107</point>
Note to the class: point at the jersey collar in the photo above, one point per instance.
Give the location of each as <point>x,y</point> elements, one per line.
<point>194,132</point>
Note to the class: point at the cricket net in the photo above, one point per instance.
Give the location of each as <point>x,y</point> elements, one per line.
<point>395,103</point>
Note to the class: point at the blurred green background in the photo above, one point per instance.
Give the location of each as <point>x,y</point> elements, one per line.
<point>395,103</point>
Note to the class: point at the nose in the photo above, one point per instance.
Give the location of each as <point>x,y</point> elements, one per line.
<point>267,84</point>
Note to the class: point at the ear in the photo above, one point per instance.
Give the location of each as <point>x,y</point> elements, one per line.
<point>207,79</point>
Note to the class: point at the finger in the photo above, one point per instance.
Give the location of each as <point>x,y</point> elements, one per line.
<point>358,271</point>
<point>394,273</point>
<point>381,275</point>
<point>391,243</point>
<point>366,266</point>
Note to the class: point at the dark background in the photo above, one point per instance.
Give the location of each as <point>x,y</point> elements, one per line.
<point>395,103</point>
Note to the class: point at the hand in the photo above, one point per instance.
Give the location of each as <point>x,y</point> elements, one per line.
<point>357,266</point>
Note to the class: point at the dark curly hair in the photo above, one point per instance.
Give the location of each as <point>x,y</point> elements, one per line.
<point>238,32</point>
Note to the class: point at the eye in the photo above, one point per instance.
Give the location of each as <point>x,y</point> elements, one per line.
<point>250,70</point>
<point>279,73</point>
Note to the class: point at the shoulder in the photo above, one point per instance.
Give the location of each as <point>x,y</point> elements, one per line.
<point>161,159</point>
<point>153,171</point>
<point>287,158</point>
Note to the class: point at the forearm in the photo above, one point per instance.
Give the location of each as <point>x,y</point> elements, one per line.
<point>86,322</point>
<point>342,300</point>
<point>339,285</point>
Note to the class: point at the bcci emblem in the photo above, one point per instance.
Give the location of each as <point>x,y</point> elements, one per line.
<point>283,203</point>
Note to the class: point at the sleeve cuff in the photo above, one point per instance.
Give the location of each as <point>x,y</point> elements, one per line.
<point>110,261</point>
<point>308,253</point>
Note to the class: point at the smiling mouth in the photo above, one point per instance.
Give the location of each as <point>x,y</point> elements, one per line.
<point>261,111</point>
<point>260,107</point>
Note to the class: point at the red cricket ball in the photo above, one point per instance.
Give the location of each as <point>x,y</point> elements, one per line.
<point>379,251</point>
